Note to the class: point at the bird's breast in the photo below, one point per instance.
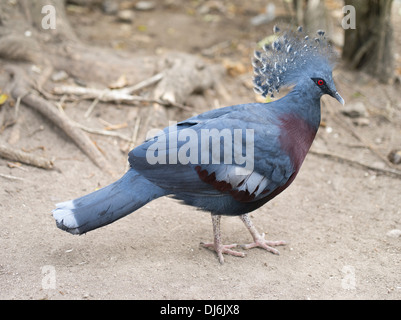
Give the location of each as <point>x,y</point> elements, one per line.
<point>296,138</point>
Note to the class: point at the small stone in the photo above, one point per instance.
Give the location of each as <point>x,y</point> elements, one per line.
<point>145,5</point>
<point>59,76</point>
<point>361,122</point>
<point>110,7</point>
<point>355,110</point>
<point>395,156</point>
<point>395,233</point>
<point>126,16</point>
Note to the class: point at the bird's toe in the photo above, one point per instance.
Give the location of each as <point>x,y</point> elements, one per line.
<point>223,249</point>
<point>265,244</point>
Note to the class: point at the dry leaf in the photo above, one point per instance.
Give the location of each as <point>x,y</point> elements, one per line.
<point>14,164</point>
<point>3,98</point>
<point>121,82</point>
<point>234,68</point>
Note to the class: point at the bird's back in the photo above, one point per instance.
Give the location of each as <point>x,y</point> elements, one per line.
<point>280,140</point>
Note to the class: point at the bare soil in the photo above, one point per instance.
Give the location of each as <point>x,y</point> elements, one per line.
<point>337,218</point>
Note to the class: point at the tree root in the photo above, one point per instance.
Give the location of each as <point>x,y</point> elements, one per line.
<point>21,90</point>
<point>175,77</point>
<point>184,74</point>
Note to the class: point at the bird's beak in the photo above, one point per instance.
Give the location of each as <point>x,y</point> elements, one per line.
<point>339,98</point>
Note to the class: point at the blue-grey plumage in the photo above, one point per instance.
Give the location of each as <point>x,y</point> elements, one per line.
<point>280,134</point>
<point>106,205</point>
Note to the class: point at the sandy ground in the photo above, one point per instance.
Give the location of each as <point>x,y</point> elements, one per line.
<point>337,219</point>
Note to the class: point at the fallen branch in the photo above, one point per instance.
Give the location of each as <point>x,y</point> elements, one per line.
<point>123,94</point>
<point>24,157</point>
<point>354,163</point>
<point>111,95</point>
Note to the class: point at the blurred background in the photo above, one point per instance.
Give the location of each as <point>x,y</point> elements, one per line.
<point>195,54</point>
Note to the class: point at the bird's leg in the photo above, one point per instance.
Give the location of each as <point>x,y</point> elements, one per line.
<point>259,238</point>
<point>217,245</point>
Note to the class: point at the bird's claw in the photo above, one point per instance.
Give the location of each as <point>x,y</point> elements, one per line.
<point>261,242</point>
<point>223,249</point>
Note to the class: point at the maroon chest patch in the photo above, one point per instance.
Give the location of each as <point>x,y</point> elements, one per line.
<point>296,138</point>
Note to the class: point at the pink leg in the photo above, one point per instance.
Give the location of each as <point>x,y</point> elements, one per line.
<point>259,238</point>
<point>217,245</point>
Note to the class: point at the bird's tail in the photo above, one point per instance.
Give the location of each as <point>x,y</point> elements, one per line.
<point>106,205</point>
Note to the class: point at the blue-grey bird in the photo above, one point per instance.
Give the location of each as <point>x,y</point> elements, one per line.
<point>228,161</point>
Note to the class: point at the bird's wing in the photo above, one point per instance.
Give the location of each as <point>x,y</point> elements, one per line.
<point>179,160</point>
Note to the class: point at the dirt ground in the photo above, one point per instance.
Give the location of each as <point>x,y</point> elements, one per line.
<point>340,220</point>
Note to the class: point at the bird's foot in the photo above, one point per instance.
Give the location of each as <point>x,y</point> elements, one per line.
<point>264,244</point>
<point>223,249</point>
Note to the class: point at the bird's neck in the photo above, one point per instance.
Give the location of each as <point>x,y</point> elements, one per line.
<point>300,120</point>
<point>296,138</point>
<point>304,104</point>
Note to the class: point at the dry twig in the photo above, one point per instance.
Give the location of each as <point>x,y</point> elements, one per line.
<point>143,84</point>
<point>7,176</point>
<point>102,132</point>
<point>111,95</point>
<point>24,157</point>
<point>354,163</point>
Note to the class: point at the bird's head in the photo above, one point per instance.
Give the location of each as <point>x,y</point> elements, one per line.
<point>321,82</point>
<point>328,87</point>
<point>296,59</point>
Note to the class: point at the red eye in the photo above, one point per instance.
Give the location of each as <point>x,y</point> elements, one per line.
<point>320,82</point>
